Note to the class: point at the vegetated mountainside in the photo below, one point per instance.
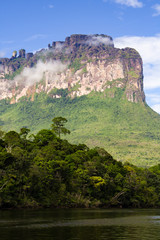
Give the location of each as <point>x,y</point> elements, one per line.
<point>129,131</point>
<point>97,87</point>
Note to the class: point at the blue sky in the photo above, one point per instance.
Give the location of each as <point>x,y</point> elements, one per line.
<point>32,24</point>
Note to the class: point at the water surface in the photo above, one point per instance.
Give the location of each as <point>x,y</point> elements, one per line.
<point>78,224</point>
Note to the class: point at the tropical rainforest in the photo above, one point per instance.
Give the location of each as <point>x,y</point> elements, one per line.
<point>45,170</point>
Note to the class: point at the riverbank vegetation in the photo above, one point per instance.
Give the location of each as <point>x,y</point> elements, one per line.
<point>43,170</point>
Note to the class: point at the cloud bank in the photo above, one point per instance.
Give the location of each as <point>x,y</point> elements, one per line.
<point>30,76</point>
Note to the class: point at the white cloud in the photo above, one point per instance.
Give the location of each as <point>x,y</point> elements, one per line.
<point>35,37</point>
<point>157,10</point>
<point>30,76</point>
<point>130,3</point>
<point>45,51</point>
<point>59,47</point>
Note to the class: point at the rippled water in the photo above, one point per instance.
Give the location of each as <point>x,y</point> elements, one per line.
<point>78,224</point>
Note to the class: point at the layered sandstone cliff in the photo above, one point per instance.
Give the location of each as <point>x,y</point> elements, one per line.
<point>90,63</point>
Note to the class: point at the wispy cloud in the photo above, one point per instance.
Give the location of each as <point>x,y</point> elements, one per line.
<point>120,16</point>
<point>35,37</point>
<point>96,40</point>
<point>128,3</point>
<point>51,6</point>
<point>7,42</point>
<point>157,10</point>
<point>29,76</point>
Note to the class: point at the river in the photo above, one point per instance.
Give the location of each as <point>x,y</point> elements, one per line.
<point>80,224</point>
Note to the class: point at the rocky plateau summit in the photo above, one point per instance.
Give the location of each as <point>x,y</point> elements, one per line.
<point>80,64</point>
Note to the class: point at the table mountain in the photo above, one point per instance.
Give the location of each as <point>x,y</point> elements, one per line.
<point>92,64</point>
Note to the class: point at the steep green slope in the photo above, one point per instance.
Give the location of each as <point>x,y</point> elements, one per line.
<point>129,131</point>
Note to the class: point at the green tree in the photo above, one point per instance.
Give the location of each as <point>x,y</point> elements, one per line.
<point>58,126</point>
<point>24,132</point>
<point>43,137</point>
<point>11,139</point>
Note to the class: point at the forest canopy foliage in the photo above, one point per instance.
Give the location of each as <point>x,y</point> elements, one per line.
<point>44,170</point>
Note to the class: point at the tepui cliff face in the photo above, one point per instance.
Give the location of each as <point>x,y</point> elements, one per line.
<point>80,64</point>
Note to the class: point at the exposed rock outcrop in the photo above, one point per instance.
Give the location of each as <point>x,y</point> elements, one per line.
<point>94,64</point>
<point>14,54</point>
<point>29,55</point>
<point>22,53</point>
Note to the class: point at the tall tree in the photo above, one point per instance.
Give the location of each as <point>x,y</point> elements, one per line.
<point>58,126</point>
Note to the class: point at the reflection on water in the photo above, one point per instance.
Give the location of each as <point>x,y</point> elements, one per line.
<point>78,224</point>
